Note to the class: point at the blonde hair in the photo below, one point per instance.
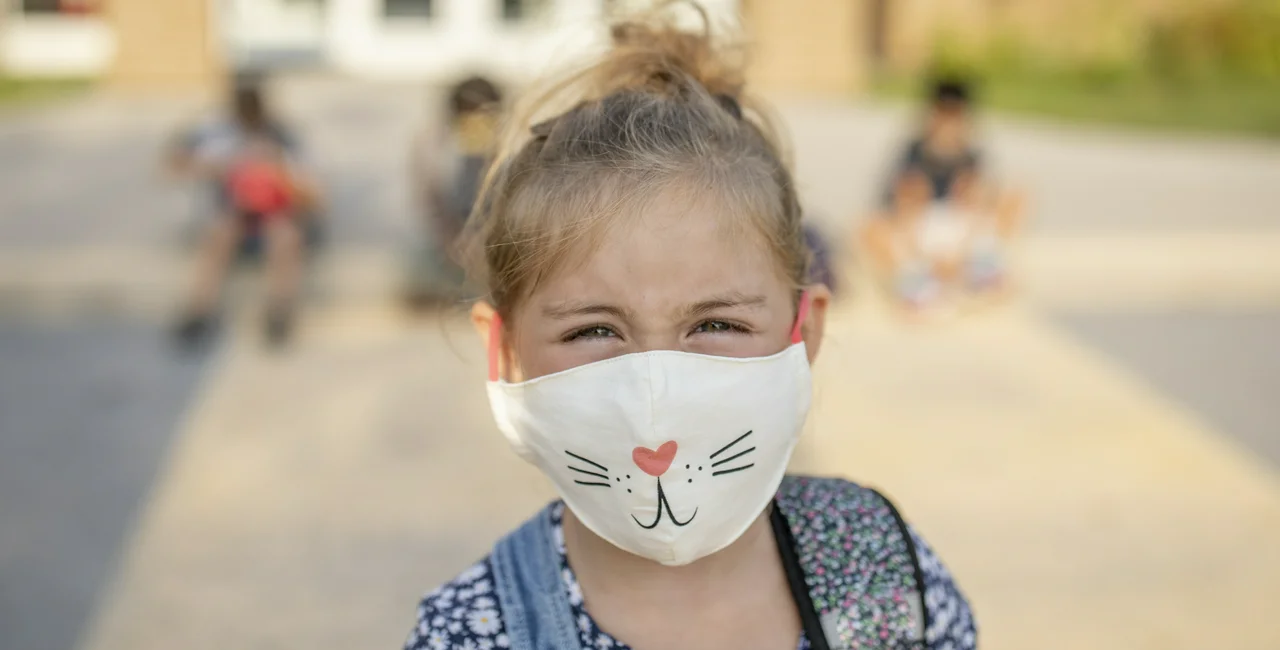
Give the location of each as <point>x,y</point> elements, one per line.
<point>663,111</point>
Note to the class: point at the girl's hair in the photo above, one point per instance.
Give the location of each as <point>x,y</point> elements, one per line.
<point>662,112</point>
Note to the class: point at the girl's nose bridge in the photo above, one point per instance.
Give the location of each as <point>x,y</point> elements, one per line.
<point>657,337</point>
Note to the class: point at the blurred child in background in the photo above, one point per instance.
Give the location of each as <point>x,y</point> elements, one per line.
<point>822,268</point>
<point>942,231</point>
<point>250,163</point>
<point>447,166</point>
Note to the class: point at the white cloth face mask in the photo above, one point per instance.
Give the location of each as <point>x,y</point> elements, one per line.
<point>668,455</point>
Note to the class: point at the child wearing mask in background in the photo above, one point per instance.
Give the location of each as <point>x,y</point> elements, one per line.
<point>446,169</point>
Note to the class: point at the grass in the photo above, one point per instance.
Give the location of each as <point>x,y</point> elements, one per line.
<point>1217,106</point>
<point>16,90</point>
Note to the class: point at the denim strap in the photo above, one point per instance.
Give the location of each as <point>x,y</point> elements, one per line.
<point>526,572</point>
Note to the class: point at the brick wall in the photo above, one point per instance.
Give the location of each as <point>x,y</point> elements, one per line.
<point>164,44</point>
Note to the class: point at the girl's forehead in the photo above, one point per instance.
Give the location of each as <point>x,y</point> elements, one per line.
<point>670,252</point>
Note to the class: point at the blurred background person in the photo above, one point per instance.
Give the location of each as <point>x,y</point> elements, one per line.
<point>942,230</point>
<point>822,260</point>
<point>262,200</point>
<point>447,164</point>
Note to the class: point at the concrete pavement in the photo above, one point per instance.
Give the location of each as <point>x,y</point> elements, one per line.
<point>87,409</point>
<point>1221,364</point>
<point>1077,507</point>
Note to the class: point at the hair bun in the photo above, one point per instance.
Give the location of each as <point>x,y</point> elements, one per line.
<point>730,105</point>
<point>651,53</point>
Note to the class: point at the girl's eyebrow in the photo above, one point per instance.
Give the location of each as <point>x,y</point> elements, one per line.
<point>571,308</point>
<point>724,301</point>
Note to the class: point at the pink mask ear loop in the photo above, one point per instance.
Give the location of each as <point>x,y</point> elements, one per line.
<point>495,346</point>
<point>801,314</point>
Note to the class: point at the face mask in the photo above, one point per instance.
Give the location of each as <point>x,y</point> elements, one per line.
<point>668,455</point>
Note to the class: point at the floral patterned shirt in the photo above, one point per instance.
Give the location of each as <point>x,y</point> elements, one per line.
<point>465,615</point>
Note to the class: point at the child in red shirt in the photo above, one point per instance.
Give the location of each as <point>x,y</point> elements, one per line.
<point>261,194</point>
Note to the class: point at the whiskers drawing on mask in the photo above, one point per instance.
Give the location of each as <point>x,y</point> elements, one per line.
<point>589,482</point>
<point>645,458</point>
<point>731,458</point>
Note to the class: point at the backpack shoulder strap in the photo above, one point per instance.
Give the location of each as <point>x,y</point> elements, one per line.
<point>858,562</point>
<point>919,610</point>
<point>526,575</point>
<point>809,620</point>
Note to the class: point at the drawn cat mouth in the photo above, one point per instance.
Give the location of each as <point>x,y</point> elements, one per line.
<point>663,503</point>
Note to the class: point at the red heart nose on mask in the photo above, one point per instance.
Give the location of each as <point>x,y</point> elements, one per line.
<point>655,463</point>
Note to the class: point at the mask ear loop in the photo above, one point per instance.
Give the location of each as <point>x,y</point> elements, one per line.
<point>495,346</point>
<point>802,313</point>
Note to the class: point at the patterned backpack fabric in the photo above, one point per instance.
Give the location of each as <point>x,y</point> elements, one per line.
<point>854,552</point>
<point>859,564</point>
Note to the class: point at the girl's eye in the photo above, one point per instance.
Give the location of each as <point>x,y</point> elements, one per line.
<point>717,327</point>
<point>592,332</point>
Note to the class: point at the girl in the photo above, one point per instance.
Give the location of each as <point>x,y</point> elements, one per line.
<point>649,333</point>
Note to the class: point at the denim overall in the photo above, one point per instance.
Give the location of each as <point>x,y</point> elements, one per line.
<point>864,585</point>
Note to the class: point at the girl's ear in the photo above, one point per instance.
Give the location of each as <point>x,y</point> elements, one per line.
<point>815,324</point>
<point>482,315</point>
<point>488,325</point>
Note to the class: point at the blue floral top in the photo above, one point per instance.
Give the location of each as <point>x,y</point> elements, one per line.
<point>465,615</point>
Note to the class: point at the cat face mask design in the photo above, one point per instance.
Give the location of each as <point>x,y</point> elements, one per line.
<point>668,455</point>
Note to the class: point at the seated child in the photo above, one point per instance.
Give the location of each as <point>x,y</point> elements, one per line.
<point>941,231</point>
<point>260,193</point>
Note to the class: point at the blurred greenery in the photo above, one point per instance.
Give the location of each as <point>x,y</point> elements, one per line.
<point>22,89</point>
<point>1210,106</point>
<point>1214,67</point>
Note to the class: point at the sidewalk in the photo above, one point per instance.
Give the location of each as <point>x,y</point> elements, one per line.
<point>318,521</point>
<point>1078,509</point>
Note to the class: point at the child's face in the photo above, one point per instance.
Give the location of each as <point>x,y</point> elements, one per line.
<point>673,279</point>
<point>949,128</point>
<point>476,131</point>
<point>913,192</point>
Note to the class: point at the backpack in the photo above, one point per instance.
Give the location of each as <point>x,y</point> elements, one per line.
<point>863,592</point>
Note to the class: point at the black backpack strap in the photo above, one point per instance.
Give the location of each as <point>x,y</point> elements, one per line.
<point>795,579</point>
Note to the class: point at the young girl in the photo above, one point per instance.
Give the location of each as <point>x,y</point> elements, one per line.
<point>649,333</point>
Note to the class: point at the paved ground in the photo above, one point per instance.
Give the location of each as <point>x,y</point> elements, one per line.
<point>1222,365</point>
<point>87,411</point>
<point>1088,475</point>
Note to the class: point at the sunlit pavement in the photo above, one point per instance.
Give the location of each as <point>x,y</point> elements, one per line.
<point>1079,508</point>
<point>308,498</point>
